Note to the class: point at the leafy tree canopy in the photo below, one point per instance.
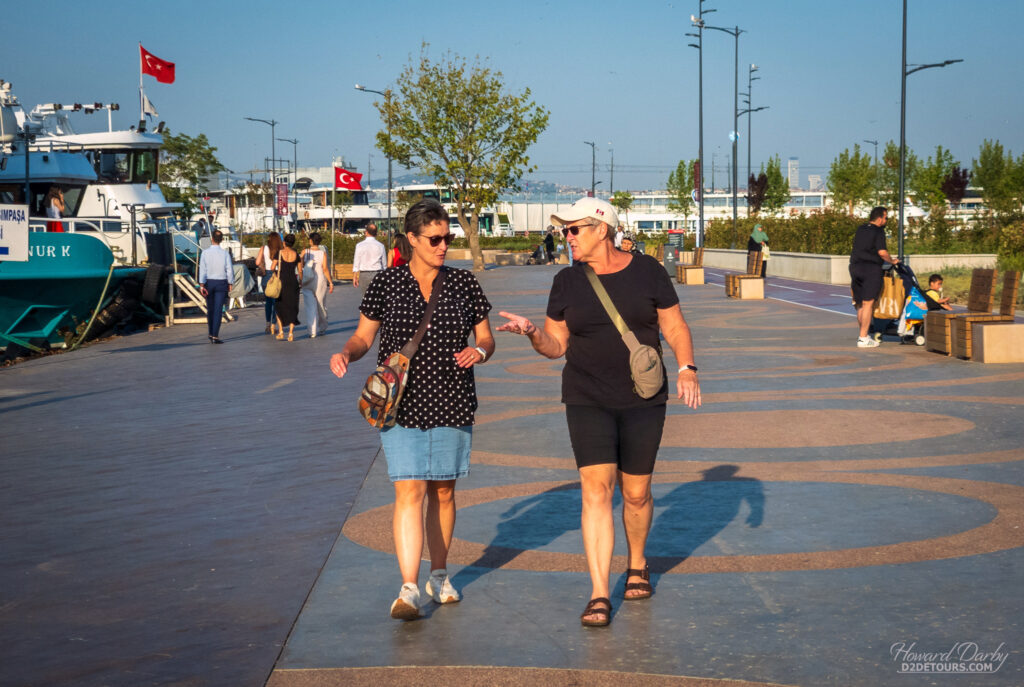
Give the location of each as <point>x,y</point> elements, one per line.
<point>457,123</point>
<point>851,178</point>
<point>926,182</point>
<point>776,193</point>
<point>680,187</point>
<point>622,200</point>
<point>185,165</point>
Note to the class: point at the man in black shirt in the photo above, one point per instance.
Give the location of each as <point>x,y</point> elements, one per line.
<point>866,259</point>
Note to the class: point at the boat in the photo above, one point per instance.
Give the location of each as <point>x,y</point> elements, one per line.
<point>492,222</point>
<point>70,278</point>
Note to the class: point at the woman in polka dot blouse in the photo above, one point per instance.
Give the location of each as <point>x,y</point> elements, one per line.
<point>428,447</point>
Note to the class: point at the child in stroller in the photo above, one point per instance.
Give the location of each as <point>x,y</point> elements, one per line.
<point>911,323</point>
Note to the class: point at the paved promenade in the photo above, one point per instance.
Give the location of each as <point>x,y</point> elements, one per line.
<point>185,514</point>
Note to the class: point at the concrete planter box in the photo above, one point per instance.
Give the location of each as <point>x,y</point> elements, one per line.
<point>834,269</point>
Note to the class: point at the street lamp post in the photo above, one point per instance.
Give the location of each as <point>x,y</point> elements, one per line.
<point>748,112</point>
<point>904,73</point>
<point>295,172</point>
<point>735,33</point>
<point>388,123</point>
<point>273,155</point>
<point>698,183</point>
<point>875,143</point>
<point>611,177</point>
<point>593,166</point>
<point>750,97</point>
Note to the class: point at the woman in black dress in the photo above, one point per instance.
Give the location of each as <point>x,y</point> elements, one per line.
<point>291,274</point>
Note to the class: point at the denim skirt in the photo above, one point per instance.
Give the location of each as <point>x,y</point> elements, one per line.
<point>440,453</point>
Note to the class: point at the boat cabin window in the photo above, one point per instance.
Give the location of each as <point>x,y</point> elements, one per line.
<point>126,167</point>
<point>12,194</point>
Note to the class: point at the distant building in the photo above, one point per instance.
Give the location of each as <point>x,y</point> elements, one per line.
<point>794,172</point>
<point>814,182</point>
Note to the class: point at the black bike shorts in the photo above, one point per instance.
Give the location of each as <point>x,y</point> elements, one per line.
<point>628,438</point>
<point>865,281</point>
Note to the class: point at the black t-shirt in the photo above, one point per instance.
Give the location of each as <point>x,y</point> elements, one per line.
<point>868,240</point>
<point>439,392</point>
<point>596,371</point>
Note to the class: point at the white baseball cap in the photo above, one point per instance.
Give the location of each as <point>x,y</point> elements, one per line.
<point>594,208</point>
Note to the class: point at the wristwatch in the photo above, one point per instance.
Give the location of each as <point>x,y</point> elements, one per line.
<point>483,354</point>
<point>688,367</point>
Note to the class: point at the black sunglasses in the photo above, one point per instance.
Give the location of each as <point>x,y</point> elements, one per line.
<point>435,241</point>
<point>574,230</point>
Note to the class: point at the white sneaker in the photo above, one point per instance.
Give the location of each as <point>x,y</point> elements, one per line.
<point>865,342</point>
<point>407,605</point>
<point>440,588</point>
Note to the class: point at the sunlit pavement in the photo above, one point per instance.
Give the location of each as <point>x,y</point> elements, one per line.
<point>178,512</point>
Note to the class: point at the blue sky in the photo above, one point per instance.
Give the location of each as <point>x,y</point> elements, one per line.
<point>608,72</point>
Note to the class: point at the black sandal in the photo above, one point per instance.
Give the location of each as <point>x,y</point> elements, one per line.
<point>592,609</point>
<point>644,586</point>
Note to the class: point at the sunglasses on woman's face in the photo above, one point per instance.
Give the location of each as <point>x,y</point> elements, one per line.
<point>435,241</point>
<point>575,230</point>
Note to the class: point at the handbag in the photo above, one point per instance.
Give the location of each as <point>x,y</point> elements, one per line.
<point>261,270</point>
<point>890,300</point>
<point>379,398</point>
<point>645,367</point>
<point>273,287</point>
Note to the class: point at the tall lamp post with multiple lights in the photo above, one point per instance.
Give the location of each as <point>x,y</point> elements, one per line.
<point>593,166</point>
<point>697,20</point>
<point>904,73</point>
<point>271,123</point>
<point>388,123</point>
<point>750,108</point>
<point>875,143</point>
<point>611,178</point>
<point>735,33</point>
<point>295,171</point>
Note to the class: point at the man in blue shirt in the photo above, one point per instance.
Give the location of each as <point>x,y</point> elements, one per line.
<point>215,277</point>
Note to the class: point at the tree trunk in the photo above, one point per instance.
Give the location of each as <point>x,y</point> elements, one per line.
<point>471,225</point>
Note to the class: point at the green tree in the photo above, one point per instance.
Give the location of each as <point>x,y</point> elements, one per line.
<point>185,165</point>
<point>457,124</point>
<point>954,186</point>
<point>851,179</point>
<point>926,182</point>
<point>623,201</point>
<point>889,174</point>
<point>680,189</point>
<point>994,171</point>
<point>776,193</point>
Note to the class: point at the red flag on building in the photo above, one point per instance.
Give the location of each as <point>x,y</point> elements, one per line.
<point>154,66</point>
<point>347,180</point>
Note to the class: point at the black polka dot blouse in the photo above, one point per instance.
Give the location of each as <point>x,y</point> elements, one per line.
<point>439,392</point>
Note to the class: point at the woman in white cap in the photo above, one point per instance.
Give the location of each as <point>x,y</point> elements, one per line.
<point>615,432</point>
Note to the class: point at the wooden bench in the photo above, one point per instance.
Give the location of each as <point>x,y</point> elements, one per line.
<point>692,274</point>
<point>755,259</point>
<point>938,332</point>
<point>962,325</point>
<point>343,272</point>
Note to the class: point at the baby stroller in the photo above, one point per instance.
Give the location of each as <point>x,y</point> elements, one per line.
<point>911,323</point>
<point>538,257</point>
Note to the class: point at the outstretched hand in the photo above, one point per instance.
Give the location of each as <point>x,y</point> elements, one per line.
<point>516,324</point>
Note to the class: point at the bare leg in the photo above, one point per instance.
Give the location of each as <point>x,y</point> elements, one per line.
<point>864,313</point>
<point>280,327</point>
<point>598,486</point>
<point>637,512</point>
<point>440,521</point>
<point>408,527</point>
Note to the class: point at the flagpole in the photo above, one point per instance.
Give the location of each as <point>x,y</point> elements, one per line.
<point>142,107</point>
<point>334,189</point>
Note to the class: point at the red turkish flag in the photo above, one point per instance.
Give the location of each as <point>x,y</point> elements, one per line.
<point>347,180</point>
<point>154,66</point>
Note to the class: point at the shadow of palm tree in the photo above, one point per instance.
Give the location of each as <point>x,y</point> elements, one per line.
<point>697,511</point>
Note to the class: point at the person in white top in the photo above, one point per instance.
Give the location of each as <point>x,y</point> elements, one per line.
<point>54,203</point>
<point>264,269</point>
<point>370,258</point>
<point>316,284</point>
<point>620,233</point>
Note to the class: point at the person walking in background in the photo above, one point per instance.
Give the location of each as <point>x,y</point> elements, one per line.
<point>264,268</point>
<point>287,307</point>
<point>216,275</point>
<point>615,433</point>
<point>316,284</point>
<point>866,260</point>
<point>54,203</point>
<point>369,259</point>
<point>549,246</point>
<point>758,241</point>
<point>428,447</point>
<point>628,245</point>
<point>400,253</point>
